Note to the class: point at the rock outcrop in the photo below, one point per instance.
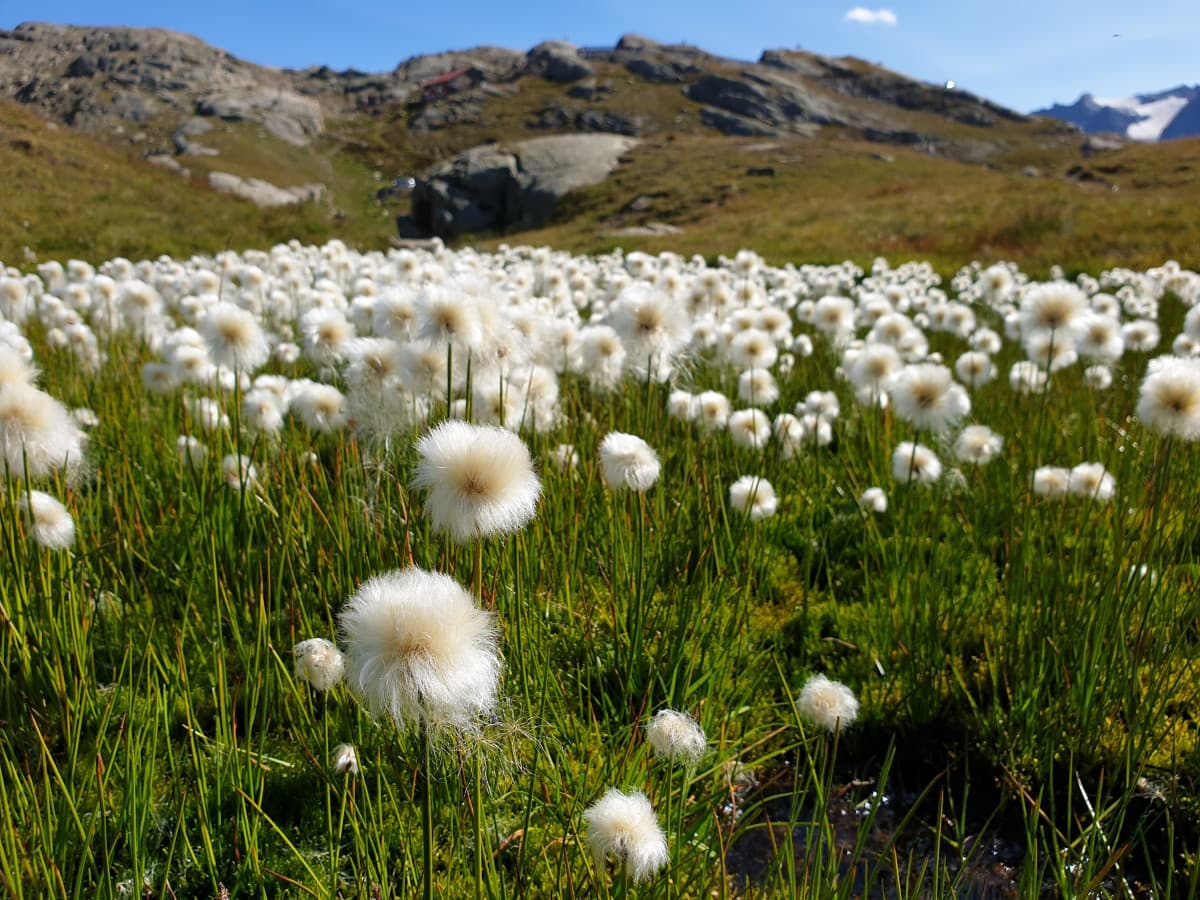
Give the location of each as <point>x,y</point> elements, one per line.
<point>494,186</point>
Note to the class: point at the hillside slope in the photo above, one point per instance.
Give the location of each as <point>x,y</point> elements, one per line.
<point>802,156</point>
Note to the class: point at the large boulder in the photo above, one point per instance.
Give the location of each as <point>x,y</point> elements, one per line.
<point>517,185</point>
<point>558,61</point>
<point>283,113</point>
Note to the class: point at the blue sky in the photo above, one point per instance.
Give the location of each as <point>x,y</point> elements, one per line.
<point>1022,53</point>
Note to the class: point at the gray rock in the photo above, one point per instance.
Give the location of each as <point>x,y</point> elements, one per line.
<point>558,61</point>
<point>1100,143</point>
<point>610,122</point>
<point>493,186</point>
<point>167,161</point>
<point>263,193</point>
<point>734,125</point>
<point>283,113</point>
<point>589,89</point>
<point>443,114</point>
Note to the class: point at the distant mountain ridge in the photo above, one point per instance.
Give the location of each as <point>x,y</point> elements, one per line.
<point>1159,116</point>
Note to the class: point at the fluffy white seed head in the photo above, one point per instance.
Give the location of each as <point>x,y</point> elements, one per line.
<point>754,497</point>
<point>915,462</point>
<point>318,662</point>
<point>38,436</point>
<point>675,735</point>
<point>1169,398</point>
<point>234,337</point>
<point>418,649</point>
<point>1093,481</point>
<point>480,480</point>
<point>978,444</point>
<point>624,827</point>
<point>627,461</point>
<point>50,522</point>
<point>829,704</point>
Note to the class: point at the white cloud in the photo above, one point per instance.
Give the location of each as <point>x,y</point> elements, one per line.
<point>865,16</point>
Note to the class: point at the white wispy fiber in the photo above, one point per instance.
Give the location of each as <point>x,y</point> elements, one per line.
<point>829,704</point>
<point>239,472</point>
<point>750,428</point>
<point>318,662</point>
<point>978,444</point>
<point>1093,481</point>
<point>479,478</point>
<point>874,499</point>
<point>915,462</point>
<point>419,649</point>
<point>753,496</point>
<point>628,462</point>
<point>1051,481</point>
<point>38,436</point>
<point>50,521</point>
<point>675,735</point>
<point>624,827</point>
<point>1169,398</point>
<point>234,337</point>
<point>926,396</point>
<point>345,759</point>
<point>863,16</point>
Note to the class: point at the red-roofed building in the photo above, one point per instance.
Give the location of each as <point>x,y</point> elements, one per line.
<point>451,83</point>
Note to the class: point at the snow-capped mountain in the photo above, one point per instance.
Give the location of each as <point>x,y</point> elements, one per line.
<point>1143,117</point>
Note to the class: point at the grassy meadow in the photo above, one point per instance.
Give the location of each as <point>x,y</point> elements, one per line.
<point>1010,609</point>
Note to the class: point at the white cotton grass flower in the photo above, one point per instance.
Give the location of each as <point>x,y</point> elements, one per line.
<point>873,499</point>
<point>1027,377</point>
<point>625,828</point>
<point>1098,377</point>
<point>479,478</point>
<point>823,404</point>
<point>345,760</point>
<point>757,386</point>
<point>38,436</point>
<point>752,349</point>
<point>872,367</point>
<point>1050,350</point>
<point>262,412</point>
<point>321,407</point>
<point>14,368</point>
<point>753,496</point>
<point>420,650</point>
<point>208,414</point>
<point>712,410</point>
<point>1169,398</point>
<point>602,357</point>
<point>191,451</point>
<point>234,337</point>
<point>318,662</point>
<point>978,444</point>
<point>239,472</point>
<point>564,458</point>
<point>51,524</point>
<point>1051,307</point>
<point>749,428</point>
<point>1093,481</point>
<point>1051,481</point>
<point>675,735</point>
<point>628,462</point>
<point>926,396</point>
<point>829,704</point>
<point>327,335</point>
<point>1141,335</point>
<point>681,405</point>
<point>1098,338</point>
<point>653,328</point>
<point>974,368</point>
<point>915,462</point>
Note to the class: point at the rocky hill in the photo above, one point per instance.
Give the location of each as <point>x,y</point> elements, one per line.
<point>645,143</point>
